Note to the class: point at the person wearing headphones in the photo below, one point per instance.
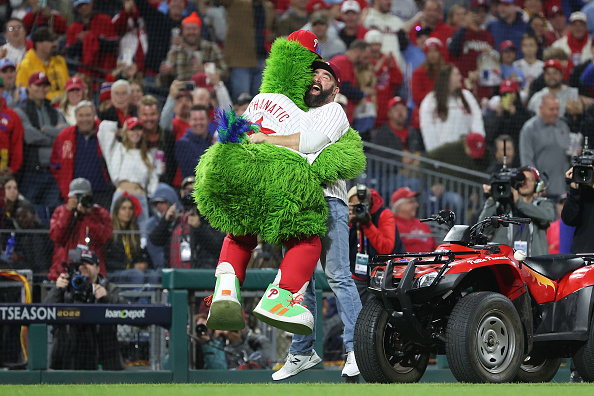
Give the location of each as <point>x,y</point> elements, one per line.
<point>526,201</point>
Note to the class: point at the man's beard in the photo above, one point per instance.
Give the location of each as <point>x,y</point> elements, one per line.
<point>317,100</point>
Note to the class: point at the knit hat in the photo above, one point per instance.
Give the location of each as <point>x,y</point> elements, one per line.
<point>192,18</point>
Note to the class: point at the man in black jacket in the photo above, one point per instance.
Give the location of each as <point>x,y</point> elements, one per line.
<point>372,231</point>
<point>84,347</point>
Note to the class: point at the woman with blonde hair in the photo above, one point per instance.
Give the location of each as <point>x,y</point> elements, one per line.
<point>74,93</point>
<point>128,162</point>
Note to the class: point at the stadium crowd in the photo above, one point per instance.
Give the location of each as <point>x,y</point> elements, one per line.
<point>106,107</point>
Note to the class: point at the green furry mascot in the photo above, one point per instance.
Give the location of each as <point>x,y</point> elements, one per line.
<point>266,190</point>
<point>250,190</point>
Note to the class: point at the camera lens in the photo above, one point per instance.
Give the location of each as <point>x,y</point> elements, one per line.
<point>86,201</point>
<point>188,201</point>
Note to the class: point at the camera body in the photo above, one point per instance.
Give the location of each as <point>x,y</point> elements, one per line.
<point>360,210</point>
<point>502,183</point>
<point>86,200</point>
<point>583,171</point>
<point>188,202</point>
<point>201,330</point>
<point>78,286</point>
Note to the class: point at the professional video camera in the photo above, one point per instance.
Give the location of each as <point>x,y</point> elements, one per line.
<point>78,282</point>
<point>503,181</point>
<point>583,171</point>
<point>360,210</point>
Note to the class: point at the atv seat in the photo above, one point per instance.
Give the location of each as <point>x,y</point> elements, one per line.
<point>554,266</point>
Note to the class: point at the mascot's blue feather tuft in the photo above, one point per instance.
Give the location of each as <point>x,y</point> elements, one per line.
<point>233,128</point>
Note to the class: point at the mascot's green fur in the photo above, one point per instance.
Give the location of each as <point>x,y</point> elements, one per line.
<point>270,191</point>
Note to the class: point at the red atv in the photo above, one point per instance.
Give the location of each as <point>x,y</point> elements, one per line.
<point>497,318</point>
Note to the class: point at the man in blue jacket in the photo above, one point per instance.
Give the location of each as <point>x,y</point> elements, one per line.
<point>509,25</point>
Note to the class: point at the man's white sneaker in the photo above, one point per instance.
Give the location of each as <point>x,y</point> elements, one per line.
<point>296,364</point>
<point>350,368</point>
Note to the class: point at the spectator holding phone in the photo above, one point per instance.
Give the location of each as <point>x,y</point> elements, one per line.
<point>192,56</point>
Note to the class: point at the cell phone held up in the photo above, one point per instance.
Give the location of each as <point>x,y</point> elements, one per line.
<point>189,86</point>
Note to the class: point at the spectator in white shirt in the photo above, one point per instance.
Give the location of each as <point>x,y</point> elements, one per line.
<point>16,45</point>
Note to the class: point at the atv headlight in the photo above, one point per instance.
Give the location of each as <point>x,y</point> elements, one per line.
<point>376,280</point>
<point>425,280</point>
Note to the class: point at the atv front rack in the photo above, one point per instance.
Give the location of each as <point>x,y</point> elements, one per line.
<point>406,319</point>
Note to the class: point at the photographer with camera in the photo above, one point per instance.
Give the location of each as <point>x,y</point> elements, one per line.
<point>84,347</point>
<point>210,353</point>
<point>517,192</point>
<point>578,210</point>
<point>78,222</point>
<point>192,242</point>
<point>372,231</point>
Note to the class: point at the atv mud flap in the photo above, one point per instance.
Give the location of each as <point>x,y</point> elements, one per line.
<point>405,320</point>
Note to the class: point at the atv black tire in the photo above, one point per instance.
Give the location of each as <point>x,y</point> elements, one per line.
<point>536,368</point>
<point>484,339</point>
<point>378,349</point>
<point>584,357</point>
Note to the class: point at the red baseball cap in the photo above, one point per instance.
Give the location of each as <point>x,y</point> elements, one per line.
<point>132,123</point>
<point>554,10</point>
<point>478,3</point>
<point>506,44</point>
<point>433,42</point>
<point>315,5</point>
<point>553,63</point>
<point>396,100</point>
<point>306,39</point>
<point>330,67</point>
<point>476,144</point>
<point>402,192</point>
<point>74,83</point>
<point>508,86</point>
<point>39,78</point>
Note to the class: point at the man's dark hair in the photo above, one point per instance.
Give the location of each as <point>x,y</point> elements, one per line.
<point>358,44</point>
<point>199,108</point>
<point>42,34</point>
<point>14,20</point>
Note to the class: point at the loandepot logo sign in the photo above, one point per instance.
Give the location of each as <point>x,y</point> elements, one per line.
<point>125,313</point>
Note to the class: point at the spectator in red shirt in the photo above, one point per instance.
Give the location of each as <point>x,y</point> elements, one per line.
<point>350,12</point>
<point>388,75</point>
<point>11,138</point>
<point>355,55</point>
<point>433,19</point>
<point>416,236</point>
<point>43,17</point>
<point>424,76</point>
<point>558,21</point>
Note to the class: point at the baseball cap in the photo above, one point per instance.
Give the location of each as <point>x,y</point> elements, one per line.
<point>318,17</point>
<point>79,2</point>
<point>79,186</point>
<point>89,256</point>
<point>402,192</point>
<point>553,63</point>
<point>432,42</point>
<point>554,10</point>
<point>307,39</point>
<point>6,62</point>
<point>350,5</point>
<point>478,3</point>
<point>132,123</point>
<point>508,86</point>
<point>38,79</point>
<point>330,67</point>
<point>476,144</point>
<point>374,37</point>
<point>578,16</point>
<point>188,179</point>
<point>396,100</point>
<point>74,83</point>
<point>192,18</point>
<point>506,44</point>
<point>315,5</point>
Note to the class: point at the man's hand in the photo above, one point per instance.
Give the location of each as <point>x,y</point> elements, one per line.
<point>515,194</point>
<point>574,107</point>
<point>62,281</point>
<point>487,188</point>
<point>214,78</point>
<point>16,97</point>
<point>72,203</point>
<point>569,175</point>
<point>165,68</point>
<point>258,138</point>
<point>170,214</point>
<point>175,88</point>
<point>100,292</point>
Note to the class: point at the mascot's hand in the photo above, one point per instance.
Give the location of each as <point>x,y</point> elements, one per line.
<point>258,138</point>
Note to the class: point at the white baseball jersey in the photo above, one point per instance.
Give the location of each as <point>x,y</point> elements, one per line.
<point>278,115</point>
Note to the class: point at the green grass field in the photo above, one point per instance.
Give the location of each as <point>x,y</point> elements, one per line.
<point>551,389</point>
